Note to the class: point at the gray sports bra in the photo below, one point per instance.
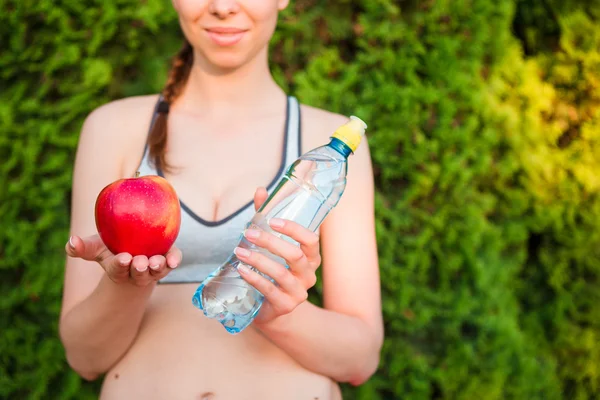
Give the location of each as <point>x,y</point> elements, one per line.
<point>207,244</point>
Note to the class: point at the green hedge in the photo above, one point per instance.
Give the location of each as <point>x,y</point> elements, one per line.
<point>484,125</point>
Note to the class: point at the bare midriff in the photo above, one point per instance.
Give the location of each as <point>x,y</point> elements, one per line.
<point>179,354</point>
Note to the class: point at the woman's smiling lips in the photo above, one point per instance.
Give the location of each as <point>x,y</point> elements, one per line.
<point>225,36</point>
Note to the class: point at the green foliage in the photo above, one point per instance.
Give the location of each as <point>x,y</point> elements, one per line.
<point>484,127</point>
<point>559,146</point>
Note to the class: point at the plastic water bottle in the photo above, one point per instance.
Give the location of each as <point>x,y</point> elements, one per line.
<point>310,189</point>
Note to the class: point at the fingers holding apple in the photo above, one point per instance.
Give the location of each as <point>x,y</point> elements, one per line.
<point>123,267</point>
<point>157,264</point>
<point>158,267</point>
<point>139,271</point>
<point>145,270</point>
<point>138,220</point>
<point>173,257</point>
<point>91,248</point>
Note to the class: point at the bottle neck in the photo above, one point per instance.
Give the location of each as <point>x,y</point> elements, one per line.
<point>340,147</point>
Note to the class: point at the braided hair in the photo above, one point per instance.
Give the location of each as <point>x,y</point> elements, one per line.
<point>178,75</point>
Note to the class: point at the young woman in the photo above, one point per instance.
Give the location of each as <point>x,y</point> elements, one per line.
<point>221,131</point>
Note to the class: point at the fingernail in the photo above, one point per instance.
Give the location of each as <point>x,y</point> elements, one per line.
<point>124,262</point>
<point>145,267</point>
<point>71,242</point>
<point>173,266</point>
<point>243,269</point>
<point>252,233</point>
<point>155,267</point>
<point>276,223</point>
<point>241,252</point>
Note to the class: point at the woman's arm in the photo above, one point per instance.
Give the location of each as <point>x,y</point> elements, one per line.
<point>97,331</point>
<point>104,295</point>
<point>344,347</point>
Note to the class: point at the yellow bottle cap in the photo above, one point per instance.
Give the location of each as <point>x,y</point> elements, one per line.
<point>351,132</point>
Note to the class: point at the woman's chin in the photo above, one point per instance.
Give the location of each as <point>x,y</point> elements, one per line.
<point>227,62</point>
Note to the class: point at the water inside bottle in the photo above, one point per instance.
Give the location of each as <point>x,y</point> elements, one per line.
<point>306,194</point>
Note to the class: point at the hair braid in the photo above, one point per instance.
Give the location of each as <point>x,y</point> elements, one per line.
<point>178,75</point>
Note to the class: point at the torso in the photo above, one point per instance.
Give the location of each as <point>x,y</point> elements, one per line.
<point>179,353</point>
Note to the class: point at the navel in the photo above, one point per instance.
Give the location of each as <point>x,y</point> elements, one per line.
<point>206,396</point>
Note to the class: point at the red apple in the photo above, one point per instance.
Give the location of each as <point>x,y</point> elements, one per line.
<point>139,216</point>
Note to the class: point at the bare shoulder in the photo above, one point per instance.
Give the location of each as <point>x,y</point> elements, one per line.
<point>318,125</point>
<point>120,125</point>
<point>127,115</point>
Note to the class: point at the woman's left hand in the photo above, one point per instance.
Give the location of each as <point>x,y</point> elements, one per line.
<point>292,284</point>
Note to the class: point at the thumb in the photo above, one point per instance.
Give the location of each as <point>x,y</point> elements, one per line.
<point>259,197</point>
<point>90,248</point>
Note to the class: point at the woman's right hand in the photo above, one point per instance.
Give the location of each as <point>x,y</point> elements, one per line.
<point>123,267</point>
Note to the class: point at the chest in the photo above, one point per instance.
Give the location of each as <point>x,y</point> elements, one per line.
<point>218,167</point>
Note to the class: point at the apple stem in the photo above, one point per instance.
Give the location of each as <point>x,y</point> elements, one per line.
<point>137,174</point>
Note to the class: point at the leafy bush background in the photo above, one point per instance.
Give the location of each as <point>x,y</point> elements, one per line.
<point>484,126</point>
